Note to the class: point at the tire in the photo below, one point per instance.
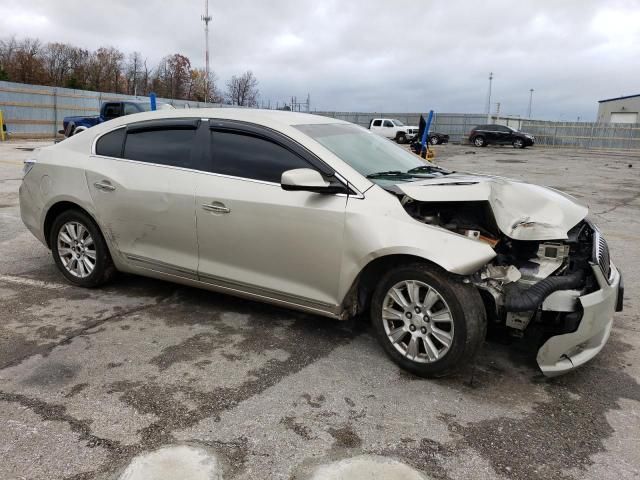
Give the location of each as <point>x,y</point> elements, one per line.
<point>434,141</point>
<point>74,259</point>
<point>518,143</point>
<point>401,138</point>
<point>466,325</point>
<point>479,141</point>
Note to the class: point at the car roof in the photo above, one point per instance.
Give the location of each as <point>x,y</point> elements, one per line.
<point>253,115</point>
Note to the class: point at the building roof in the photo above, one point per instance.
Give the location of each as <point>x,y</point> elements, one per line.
<point>618,98</point>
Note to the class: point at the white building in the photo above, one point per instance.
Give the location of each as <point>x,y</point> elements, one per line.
<point>619,110</point>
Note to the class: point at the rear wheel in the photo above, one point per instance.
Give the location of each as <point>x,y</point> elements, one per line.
<point>401,138</point>
<point>428,321</point>
<point>479,141</point>
<point>79,250</point>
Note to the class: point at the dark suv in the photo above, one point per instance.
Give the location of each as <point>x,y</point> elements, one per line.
<point>484,135</point>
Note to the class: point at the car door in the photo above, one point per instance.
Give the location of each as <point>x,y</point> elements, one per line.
<point>505,135</point>
<point>389,129</point>
<point>376,126</point>
<point>142,183</point>
<point>491,133</point>
<point>257,238</point>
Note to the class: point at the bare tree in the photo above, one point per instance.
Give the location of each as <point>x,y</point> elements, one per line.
<point>27,62</point>
<point>243,90</point>
<point>173,76</point>
<point>133,73</point>
<point>57,62</point>
<point>8,49</point>
<point>203,91</point>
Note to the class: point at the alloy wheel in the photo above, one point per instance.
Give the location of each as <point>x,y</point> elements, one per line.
<point>76,249</point>
<point>418,322</point>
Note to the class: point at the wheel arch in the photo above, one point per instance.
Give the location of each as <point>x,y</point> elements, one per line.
<point>358,297</point>
<point>56,209</point>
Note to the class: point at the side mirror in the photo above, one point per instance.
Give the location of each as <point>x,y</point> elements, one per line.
<point>308,180</point>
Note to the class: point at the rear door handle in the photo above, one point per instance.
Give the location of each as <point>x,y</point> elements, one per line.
<point>215,207</point>
<point>104,185</point>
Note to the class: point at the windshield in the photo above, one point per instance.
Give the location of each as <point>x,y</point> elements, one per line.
<point>365,152</point>
<point>397,123</point>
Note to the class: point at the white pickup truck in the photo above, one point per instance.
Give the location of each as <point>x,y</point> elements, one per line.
<point>392,128</point>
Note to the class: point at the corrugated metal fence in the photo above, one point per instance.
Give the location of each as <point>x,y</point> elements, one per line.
<point>36,111</point>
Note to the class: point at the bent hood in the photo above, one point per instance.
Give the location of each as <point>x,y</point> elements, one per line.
<point>522,211</point>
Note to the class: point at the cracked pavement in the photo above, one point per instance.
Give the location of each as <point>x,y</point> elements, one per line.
<point>91,378</point>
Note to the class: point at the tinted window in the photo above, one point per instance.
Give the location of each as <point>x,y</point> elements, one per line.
<point>110,145</point>
<point>247,156</point>
<point>112,110</point>
<point>387,123</point>
<point>163,146</point>
<point>377,123</point>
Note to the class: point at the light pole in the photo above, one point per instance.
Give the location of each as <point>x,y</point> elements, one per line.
<point>530,102</point>
<point>206,18</point>
<point>489,98</point>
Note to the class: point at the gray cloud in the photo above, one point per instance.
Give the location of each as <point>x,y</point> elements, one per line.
<point>376,55</point>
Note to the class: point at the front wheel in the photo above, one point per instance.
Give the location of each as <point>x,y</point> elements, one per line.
<point>518,143</point>
<point>428,321</point>
<point>434,141</point>
<point>401,138</point>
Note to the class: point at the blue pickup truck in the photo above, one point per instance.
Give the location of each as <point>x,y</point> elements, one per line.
<point>108,111</point>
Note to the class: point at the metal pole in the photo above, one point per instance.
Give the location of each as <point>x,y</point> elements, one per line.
<point>206,18</point>
<point>489,98</point>
<point>530,102</point>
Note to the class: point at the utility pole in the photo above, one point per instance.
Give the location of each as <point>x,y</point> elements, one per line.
<point>489,98</point>
<point>530,102</point>
<point>206,18</point>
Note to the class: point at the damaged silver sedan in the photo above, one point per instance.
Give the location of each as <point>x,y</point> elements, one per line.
<point>323,216</point>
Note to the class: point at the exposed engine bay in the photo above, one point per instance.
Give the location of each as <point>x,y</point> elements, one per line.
<point>529,282</point>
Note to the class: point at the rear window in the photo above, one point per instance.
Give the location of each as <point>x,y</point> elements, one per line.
<point>165,146</point>
<point>110,145</point>
<point>377,123</point>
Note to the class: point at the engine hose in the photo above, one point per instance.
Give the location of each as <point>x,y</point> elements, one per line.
<point>517,300</point>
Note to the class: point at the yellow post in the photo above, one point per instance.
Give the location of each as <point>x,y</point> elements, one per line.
<point>1,127</point>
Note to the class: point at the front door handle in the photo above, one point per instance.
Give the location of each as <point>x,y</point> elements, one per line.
<point>215,207</point>
<point>104,185</point>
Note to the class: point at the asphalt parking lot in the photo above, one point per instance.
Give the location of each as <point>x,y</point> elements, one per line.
<point>91,378</point>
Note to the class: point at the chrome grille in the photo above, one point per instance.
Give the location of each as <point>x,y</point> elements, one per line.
<point>601,253</point>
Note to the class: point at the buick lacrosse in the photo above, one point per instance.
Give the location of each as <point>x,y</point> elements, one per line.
<point>323,216</point>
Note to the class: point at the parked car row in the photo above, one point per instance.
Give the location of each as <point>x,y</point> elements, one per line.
<point>480,136</point>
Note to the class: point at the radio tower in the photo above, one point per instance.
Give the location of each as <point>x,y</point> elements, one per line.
<point>206,18</point>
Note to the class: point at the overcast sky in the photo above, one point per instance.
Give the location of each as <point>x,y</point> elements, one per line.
<point>370,55</point>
